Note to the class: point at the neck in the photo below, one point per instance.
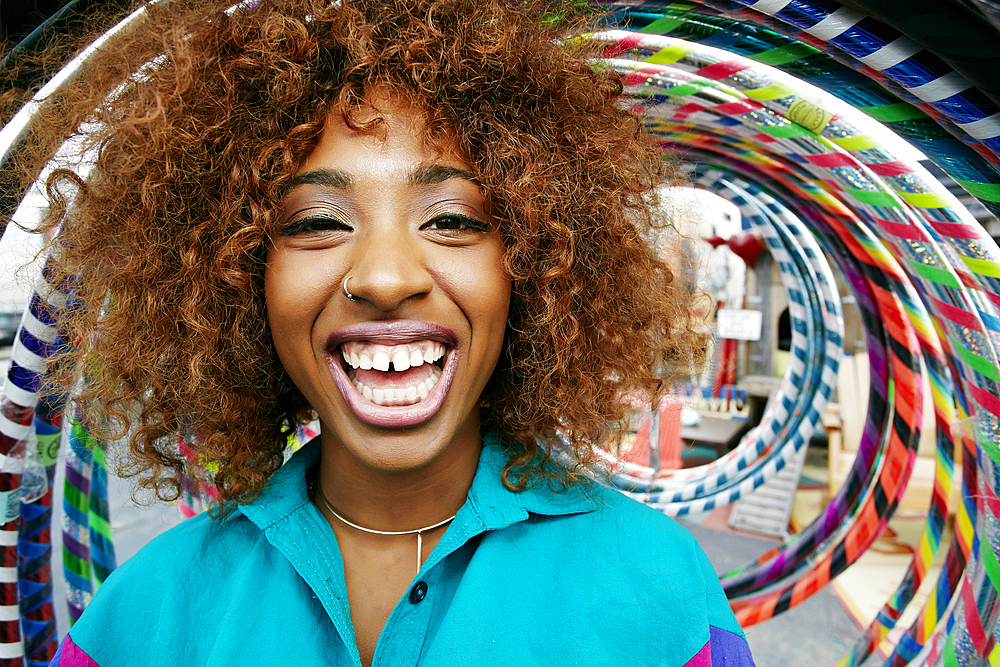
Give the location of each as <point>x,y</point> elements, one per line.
<point>397,500</point>
<point>371,531</point>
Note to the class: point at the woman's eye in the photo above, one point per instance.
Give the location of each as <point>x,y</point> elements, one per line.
<point>315,223</point>
<point>452,222</point>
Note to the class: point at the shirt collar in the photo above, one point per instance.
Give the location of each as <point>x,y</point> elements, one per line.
<point>489,503</point>
<point>287,490</point>
<point>490,494</point>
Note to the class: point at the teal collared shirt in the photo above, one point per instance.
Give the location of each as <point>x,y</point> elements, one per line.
<point>584,577</point>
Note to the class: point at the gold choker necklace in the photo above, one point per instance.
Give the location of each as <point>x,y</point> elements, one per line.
<point>418,531</point>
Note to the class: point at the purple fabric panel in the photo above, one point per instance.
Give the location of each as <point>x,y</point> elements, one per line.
<point>728,649</point>
<point>71,655</point>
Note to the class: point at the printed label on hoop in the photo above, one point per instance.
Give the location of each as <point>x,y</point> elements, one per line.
<point>48,448</point>
<point>10,504</point>
<point>808,114</point>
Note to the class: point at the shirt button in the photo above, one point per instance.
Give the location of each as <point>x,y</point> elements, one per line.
<point>418,592</point>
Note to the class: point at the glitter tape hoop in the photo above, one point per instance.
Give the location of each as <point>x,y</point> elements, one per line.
<point>799,142</point>
<point>968,254</point>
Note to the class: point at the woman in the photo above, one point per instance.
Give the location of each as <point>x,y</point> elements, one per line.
<point>428,224</point>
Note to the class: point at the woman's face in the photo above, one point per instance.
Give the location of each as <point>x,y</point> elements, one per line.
<point>395,375</point>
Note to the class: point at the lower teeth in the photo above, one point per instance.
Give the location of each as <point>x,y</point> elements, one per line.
<point>398,396</point>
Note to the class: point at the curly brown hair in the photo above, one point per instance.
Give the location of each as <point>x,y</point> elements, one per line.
<point>164,241</point>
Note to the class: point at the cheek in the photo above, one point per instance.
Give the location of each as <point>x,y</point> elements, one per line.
<point>494,320</point>
<point>500,309</point>
<point>489,299</point>
<point>497,285</point>
<point>274,293</point>
<point>286,297</point>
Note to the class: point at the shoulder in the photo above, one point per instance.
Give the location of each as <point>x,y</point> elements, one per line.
<point>607,561</point>
<point>666,547</point>
<point>639,547</point>
<point>198,549</point>
<point>636,520</point>
<point>173,579</point>
<point>644,541</point>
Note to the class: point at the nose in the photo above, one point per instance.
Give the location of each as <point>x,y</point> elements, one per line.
<point>389,269</point>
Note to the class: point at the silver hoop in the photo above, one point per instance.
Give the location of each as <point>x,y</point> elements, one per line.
<point>347,293</point>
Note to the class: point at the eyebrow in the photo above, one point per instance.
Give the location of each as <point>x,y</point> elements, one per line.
<point>333,178</point>
<point>436,173</point>
<point>341,180</point>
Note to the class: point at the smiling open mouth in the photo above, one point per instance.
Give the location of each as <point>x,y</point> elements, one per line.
<point>393,374</point>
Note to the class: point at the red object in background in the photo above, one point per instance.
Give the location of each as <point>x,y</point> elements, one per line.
<point>726,368</point>
<point>715,241</point>
<point>747,247</point>
<point>670,437</point>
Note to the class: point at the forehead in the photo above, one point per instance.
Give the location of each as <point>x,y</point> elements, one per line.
<point>387,129</point>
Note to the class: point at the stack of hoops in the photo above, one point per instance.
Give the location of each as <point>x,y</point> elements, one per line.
<point>771,103</point>
<point>740,90</point>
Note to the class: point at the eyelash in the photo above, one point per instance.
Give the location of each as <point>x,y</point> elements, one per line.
<point>464,222</point>
<point>315,223</point>
<point>322,223</point>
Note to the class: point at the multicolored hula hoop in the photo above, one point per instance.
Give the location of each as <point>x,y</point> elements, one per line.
<point>948,258</point>
<point>735,85</point>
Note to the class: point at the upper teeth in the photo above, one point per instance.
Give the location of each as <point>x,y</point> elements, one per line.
<point>368,355</point>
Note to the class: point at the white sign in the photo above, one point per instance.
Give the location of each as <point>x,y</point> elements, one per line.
<point>739,324</point>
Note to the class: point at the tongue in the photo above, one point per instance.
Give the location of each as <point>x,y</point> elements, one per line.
<point>411,377</point>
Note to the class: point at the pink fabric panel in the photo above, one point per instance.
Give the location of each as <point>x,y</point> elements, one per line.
<point>703,658</point>
<point>71,655</point>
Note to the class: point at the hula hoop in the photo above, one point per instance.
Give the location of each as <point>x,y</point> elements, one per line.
<point>960,235</point>
<point>952,265</point>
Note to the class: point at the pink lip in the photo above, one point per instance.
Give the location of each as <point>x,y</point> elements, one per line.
<point>393,333</point>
